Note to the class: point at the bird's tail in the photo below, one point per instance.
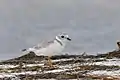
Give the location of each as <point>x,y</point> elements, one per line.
<point>24,50</point>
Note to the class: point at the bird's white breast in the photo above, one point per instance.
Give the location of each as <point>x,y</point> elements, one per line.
<point>50,50</point>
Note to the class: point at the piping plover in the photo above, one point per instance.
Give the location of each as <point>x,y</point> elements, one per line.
<point>55,46</point>
<point>118,44</point>
<point>50,48</point>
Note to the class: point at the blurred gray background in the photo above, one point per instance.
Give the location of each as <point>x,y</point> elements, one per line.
<point>93,25</point>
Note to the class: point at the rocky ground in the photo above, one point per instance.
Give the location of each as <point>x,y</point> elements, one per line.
<point>78,67</point>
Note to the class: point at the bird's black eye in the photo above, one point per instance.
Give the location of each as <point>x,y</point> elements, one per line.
<point>62,36</point>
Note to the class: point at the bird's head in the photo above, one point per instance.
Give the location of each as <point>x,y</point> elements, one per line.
<point>118,42</point>
<point>63,37</point>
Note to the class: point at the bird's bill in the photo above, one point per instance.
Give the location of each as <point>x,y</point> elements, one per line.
<point>69,39</point>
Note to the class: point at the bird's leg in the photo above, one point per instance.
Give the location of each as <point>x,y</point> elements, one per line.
<point>50,62</point>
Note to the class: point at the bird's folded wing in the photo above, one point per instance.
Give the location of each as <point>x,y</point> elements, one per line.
<point>43,44</point>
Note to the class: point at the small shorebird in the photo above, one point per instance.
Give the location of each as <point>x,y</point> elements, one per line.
<point>50,48</point>
<point>118,43</point>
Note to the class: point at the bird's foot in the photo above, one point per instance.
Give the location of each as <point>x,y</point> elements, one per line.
<point>50,66</point>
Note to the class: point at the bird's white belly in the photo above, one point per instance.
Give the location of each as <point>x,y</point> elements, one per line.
<point>52,49</point>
